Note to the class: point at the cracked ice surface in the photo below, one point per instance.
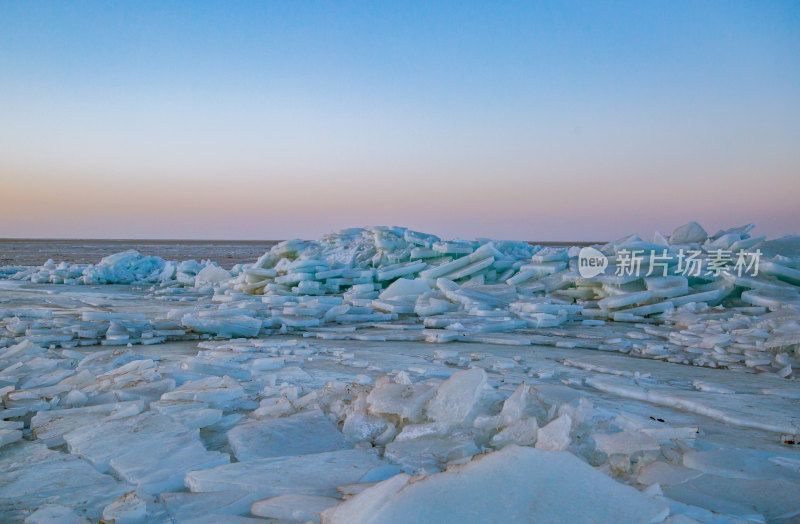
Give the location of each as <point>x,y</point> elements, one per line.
<point>384,375</point>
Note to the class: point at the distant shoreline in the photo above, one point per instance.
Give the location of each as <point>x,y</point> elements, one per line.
<point>36,251</point>
<point>133,241</point>
<point>221,241</point>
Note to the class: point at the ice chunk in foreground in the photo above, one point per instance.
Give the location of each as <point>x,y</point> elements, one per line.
<point>403,400</point>
<point>9,436</point>
<point>427,453</point>
<point>34,476</point>
<point>516,484</point>
<point>51,425</point>
<point>183,506</point>
<point>555,435</point>
<point>624,442</point>
<point>217,391</point>
<point>127,509</point>
<point>456,399</point>
<point>55,514</point>
<point>301,434</point>
<point>522,432</point>
<point>301,508</point>
<point>149,450</point>
<point>315,474</point>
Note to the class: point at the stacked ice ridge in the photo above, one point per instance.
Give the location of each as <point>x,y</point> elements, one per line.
<point>728,300</point>
<point>127,267</point>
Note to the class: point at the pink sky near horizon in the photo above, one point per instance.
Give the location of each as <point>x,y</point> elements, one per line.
<point>572,207</point>
<point>269,120</point>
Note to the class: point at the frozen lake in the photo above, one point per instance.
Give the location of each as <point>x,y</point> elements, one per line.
<point>385,375</point>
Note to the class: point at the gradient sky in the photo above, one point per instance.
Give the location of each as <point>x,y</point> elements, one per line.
<point>263,120</point>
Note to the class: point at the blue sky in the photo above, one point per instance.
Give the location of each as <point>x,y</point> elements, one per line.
<point>546,120</point>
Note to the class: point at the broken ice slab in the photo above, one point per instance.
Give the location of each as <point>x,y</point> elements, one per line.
<point>772,299</point>
<point>453,248</point>
<point>471,269</point>
<point>404,400</point>
<point>313,474</point>
<point>626,299</point>
<point>300,508</point>
<point>50,426</point>
<point>135,371</point>
<point>222,392</point>
<point>399,305</point>
<point>220,518</point>
<point>522,432</point>
<point>654,429</point>
<point>399,270</point>
<point>300,434</point>
<point>664,474</point>
<point>486,490</point>
<point>469,298</point>
<point>457,398</point>
<point>482,253</point>
<point>420,239</point>
<point>88,316</point>
<point>549,307</point>
<point>667,286</point>
<point>9,436</point>
<point>144,434</point>
<point>429,453</point>
<point>183,506</point>
<point>536,270</point>
<point>129,508</point>
<point>781,272</point>
<point>650,309</point>
<point>34,476</point>
<point>160,465</point>
<point>230,326</point>
<point>26,313</point>
<point>55,513</point>
<point>229,365</point>
<point>690,233</point>
<point>742,410</point>
<point>403,287</point>
<point>624,442</point>
<point>555,435</point>
<point>752,500</point>
<point>733,462</point>
<point>211,275</point>
<point>191,414</point>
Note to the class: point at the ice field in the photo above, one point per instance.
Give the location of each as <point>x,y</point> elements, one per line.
<point>386,375</point>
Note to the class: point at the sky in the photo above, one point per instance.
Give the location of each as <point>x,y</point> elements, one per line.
<point>518,120</point>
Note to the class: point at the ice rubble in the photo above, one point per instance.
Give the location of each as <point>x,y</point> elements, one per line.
<point>310,427</point>
<point>126,267</point>
<point>390,283</point>
<point>418,287</point>
<point>271,425</point>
